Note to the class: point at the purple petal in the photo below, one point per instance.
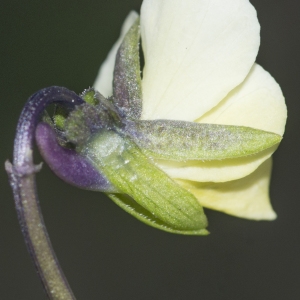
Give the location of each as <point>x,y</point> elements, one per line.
<point>68,164</point>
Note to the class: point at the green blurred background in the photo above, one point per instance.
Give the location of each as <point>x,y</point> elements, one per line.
<point>105,253</point>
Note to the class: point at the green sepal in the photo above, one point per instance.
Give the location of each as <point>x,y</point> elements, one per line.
<point>131,172</point>
<point>139,212</point>
<point>181,141</point>
<point>76,130</point>
<point>59,117</point>
<point>127,90</point>
<point>90,96</point>
<point>61,114</point>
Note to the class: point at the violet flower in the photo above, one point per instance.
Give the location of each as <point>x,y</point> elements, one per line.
<point>203,113</point>
<point>200,67</point>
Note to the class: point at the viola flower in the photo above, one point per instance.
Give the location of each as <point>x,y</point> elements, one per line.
<point>197,129</point>
<point>200,67</point>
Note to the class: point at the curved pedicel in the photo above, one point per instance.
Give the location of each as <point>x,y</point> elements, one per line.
<point>67,163</point>
<point>22,180</point>
<point>30,116</point>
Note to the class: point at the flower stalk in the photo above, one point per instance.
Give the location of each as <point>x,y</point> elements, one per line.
<point>22,179</point>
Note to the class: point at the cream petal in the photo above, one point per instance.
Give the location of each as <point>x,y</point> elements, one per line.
<point>216,170</point>
<point>103,82</point>
<point>196,52</point>
<point>258,102</point>
<point>246,198</point>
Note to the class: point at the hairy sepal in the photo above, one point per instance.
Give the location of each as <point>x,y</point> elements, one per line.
<point>127,91</point>
<point>181,141</point>
<point>168,206</point>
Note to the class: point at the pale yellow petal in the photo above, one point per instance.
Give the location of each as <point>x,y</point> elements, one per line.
<point>103,82</point>
<point>246,198</point>
<point>216,170</point>
<point>196,52</point>
<point>258,102</point>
